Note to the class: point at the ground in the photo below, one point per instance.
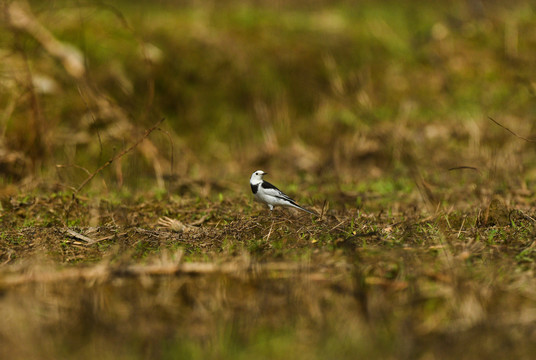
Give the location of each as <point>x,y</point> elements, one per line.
<point>245,282</point>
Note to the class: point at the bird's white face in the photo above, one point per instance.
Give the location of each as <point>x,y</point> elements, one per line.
<point>256,177</point>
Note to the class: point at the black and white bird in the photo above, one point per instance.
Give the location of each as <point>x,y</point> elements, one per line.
<point>270,195</point>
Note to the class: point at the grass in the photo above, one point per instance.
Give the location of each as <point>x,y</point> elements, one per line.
<point>373,114</point>
<point>370,284</point>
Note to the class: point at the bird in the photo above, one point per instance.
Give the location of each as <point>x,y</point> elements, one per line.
<point>270,195</point>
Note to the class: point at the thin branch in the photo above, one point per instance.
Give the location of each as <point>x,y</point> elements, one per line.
<point>464,168</point>
<point>62,166</point>
<point>119,155</point>
<point>511,132</point>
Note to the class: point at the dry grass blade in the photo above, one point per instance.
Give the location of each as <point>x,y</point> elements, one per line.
<point>79,236</point>
<point>175,225</point>
<point>510,131</point>
<point>200,221</point>
<point>120,155</point>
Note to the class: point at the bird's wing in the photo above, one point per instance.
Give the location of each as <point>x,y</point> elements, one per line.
<point>270,189</point>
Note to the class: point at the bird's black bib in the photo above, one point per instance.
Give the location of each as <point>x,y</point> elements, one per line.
<point>254,188</point>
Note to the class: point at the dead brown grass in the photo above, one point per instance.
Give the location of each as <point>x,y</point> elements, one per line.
<point>356,280</point>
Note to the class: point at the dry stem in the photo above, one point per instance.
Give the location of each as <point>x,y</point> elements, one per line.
<point>121,154</point>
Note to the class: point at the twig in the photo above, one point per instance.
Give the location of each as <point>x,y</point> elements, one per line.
<point>119,155</point>
<point>510,131</point>
<point>464,168</point>
<point>175,225</point>
<point>200,221</point>
<point>267,237</point>
<point>62,166</point>
<point>79,236</point>
<point>336,226</point>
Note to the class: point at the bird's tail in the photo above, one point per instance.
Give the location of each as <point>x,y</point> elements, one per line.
<point>304,209</point>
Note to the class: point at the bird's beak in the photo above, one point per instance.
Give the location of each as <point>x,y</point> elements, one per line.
<point>264,173</point>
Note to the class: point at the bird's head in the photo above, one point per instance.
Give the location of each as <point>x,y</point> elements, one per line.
<point>257,176</point>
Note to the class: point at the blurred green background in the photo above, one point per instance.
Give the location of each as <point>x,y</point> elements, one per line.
<point>332,91</point>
